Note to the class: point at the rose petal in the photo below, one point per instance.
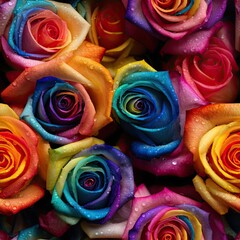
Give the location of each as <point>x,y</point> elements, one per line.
<point>218,205</point>
<point>196,42</point>
<point>25,199</point>
<point>6,13</point>
<point>218,10</point>
<point>178,163</point>
<point>51,223</point>
<point>60,156</point>
<point>201,120</point>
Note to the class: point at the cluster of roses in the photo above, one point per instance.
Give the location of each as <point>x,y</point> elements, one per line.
<point>119,119</point>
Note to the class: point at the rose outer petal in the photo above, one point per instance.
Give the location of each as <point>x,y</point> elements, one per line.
<point>178,163</point>
<point>196,42</point>
<point>30,195</point>
<point>6,10</point>
<point>218,10</point>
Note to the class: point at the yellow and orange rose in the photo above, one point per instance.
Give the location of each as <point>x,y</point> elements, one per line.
<point>19,163</point>
<point>212,135</point>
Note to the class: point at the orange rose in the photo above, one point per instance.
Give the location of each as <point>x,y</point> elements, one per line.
<point>18,165</point>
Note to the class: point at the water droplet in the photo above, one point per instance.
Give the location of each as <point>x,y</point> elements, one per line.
<point>174,163</point>
<point>136,209</point>
<point>14,84</point>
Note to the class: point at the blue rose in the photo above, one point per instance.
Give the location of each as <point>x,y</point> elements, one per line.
<point>146,106</point>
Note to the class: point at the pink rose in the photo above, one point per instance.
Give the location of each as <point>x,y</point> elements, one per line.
<point>206,61</point>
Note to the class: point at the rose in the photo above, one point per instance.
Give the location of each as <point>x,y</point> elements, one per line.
<point>206,61</point>
<point>42,30</point>
<point>89,180</point>
<point>19,163</point>
<point>63,112</point>
<point>146,106</point>
<point>167,214</point>
<point>108,24</point>
<point>211,134</point>
<point>108,30</point>
<point>174,19</point>
<point>60,112</point>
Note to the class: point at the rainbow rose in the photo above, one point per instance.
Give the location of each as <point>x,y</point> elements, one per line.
<point>40,31</point>
<point>146,106</point>
<point>89,180</point>
<point>63,99</point>
<point>212,135</point>
<point>19,163</point>
<point>174,19</point>
<point>169,215</point>
<point>150,107</point>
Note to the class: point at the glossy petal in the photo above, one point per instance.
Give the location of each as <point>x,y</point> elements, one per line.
<point>17,203</point>
<point>196,42</point>
<point>177,163</point>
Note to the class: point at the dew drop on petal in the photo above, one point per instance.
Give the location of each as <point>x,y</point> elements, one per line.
<point>174,163</point>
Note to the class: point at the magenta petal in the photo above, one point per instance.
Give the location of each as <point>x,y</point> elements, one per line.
<point>196,42</point>
<point>53,224</point>
<point>16,60</point>
<point>188,97</point>
<point>179,163</point>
